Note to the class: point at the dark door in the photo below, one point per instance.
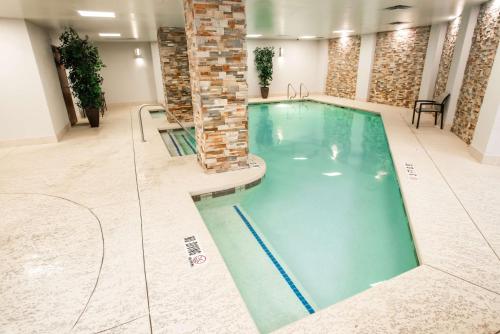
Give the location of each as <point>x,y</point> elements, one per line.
<point>63,80</point>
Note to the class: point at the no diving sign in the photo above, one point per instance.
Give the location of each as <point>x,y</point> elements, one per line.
<point>196,257</point>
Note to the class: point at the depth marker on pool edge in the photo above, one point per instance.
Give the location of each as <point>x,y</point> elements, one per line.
<point>278,266</point>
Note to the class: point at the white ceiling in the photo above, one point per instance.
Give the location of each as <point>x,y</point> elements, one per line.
<point>139,19</point>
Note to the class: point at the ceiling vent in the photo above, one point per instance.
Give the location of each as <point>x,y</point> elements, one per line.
<point>397,7</point>
<point>395,23</point>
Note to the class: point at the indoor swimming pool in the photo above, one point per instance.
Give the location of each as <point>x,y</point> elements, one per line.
<point>326,222</point>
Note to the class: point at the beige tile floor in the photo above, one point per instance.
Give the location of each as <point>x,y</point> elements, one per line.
<point>133,198</point>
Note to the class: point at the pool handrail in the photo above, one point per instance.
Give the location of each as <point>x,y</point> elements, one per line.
<point>168,112</point>
<point>300,90</point>
<point>288,92</point>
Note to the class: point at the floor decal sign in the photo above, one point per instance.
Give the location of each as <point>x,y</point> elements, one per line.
<point>195,253</point>
<point>411,171</point>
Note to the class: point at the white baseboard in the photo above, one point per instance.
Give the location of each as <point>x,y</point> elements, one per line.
<point>62,132</point>
<point>28,141</point>
<point>484,159</point>
<point>35,141</point>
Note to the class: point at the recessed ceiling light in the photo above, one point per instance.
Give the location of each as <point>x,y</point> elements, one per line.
<point>109,34</point>
<point>307,37</point>
<point>345,31</point>
<point>91,13</point>
<point>254,35</point>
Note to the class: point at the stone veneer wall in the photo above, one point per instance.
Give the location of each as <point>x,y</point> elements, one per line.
<point>343,60</point>
<point>477,72</point>
<point>446,57</point>
<point>398,66</point>
<point>216,31</point>
<point>175,71</point>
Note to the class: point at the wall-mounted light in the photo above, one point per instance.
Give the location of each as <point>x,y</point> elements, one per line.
<point>138,53</point>
<point>280,52</point>
<point>139,59</point>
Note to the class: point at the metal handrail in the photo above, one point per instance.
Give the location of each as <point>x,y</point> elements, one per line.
<point>288,92</point>
<point>168,112</point>
<point>300,90</point>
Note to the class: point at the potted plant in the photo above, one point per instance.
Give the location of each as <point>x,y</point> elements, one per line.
<point>81,58</point>
<point>264,64</point>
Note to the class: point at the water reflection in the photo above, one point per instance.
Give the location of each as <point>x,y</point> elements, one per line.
<point>265,134</point>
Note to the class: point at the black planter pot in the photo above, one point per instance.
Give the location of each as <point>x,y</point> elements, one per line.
<point>264,92</point>
<point>93,117</point>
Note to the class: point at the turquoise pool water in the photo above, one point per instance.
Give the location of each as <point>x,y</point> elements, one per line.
<point>326,222</point>
<point>158,113</point>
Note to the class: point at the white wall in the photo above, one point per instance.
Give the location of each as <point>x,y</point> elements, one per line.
<point>302,61</point>
<point>127,79</point>
<point>155,56</point>
<point>41,44</point>
<point>322,66</point>
<point>366,57</point>
<point>28,98</point>
<point>432,60</point>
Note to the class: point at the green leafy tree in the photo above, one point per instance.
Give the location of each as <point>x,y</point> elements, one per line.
<point>81,58</point>
<point>264,63</point>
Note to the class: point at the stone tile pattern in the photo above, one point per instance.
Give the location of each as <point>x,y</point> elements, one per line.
<point>343,60</point>
<point>447,56</point>
<point>477,72</point>
<point>216,31</point>
<point>175,72</point>
<point>398,66</point>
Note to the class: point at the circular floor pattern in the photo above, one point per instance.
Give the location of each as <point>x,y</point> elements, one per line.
<point>51,252</point>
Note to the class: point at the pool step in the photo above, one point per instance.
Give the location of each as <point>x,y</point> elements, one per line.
<point>275,262</point>
<point>268,296</point>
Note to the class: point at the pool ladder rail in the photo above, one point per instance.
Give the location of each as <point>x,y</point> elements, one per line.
<point>168,112</point>
<point>288,92</point>
<point>300,91</point>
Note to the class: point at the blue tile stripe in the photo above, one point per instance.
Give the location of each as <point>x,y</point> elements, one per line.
<point>175,144</point>
<point>189,143</point>
<point>275,262</point>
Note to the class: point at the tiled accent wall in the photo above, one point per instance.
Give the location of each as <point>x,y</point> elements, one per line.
<point>447,56</point>
<point>343,60</point>
<point>175,72</point>
<point>482,54</point>
<point>216,31</point>
<point>398,66</point>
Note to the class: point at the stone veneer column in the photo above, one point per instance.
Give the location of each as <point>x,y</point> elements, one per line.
<point>175,71</point>
<point>446,57</point>
<point>216,31</point>
<point>398,66</point>
<point>343,60</point>
<point>481,57</point>
<point>485,145</point>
